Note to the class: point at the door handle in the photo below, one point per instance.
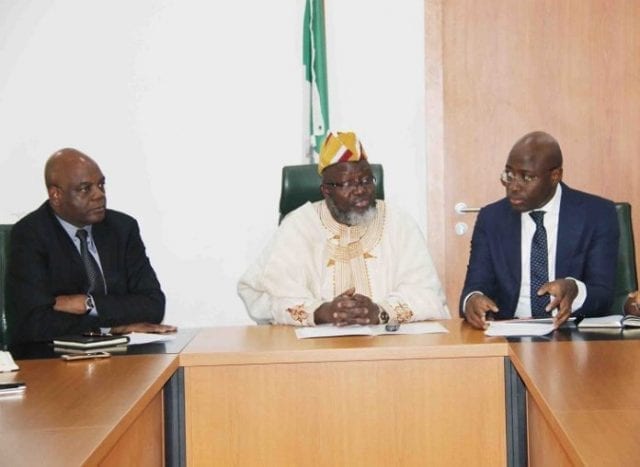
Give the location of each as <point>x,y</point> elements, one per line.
<point>461,208</point>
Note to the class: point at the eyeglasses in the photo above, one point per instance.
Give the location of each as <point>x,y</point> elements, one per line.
<point>351,184</point>
<point>508,177</point>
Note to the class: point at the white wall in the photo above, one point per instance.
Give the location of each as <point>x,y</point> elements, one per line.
<point>191,107</point>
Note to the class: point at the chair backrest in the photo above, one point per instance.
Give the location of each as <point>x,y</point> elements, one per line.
<point>301,183</point>
<point>5,232</point>
<point>626,278</point>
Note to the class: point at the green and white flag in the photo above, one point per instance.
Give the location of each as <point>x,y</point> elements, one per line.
<point>314,58</point>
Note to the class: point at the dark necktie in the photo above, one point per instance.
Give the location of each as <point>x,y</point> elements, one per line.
<point>96,280</point>
<point>539,266</point>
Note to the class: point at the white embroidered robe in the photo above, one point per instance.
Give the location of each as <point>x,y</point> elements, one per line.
<point>312,258</point>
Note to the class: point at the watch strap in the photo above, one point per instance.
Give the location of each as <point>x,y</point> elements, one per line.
<point>89,303</point>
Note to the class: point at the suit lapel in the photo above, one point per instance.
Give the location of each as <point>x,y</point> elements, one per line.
<point>65,241</point>
<point>67,268</point>
<point>105,245</point>
<point>571,222</point>
<point>511,239</point>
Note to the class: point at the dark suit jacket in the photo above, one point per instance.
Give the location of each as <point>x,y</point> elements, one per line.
<point>44,263</point>
<point>587,250</point>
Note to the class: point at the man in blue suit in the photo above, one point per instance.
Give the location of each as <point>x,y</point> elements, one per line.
<point>580,248</point>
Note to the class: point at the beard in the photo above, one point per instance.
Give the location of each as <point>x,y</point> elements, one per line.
<point>352,217</point>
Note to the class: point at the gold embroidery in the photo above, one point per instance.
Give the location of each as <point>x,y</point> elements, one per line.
<point>349,246</point>
<point>403,313</point>
<point>298,313</point>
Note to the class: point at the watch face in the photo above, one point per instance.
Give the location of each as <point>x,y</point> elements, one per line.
<point>383,317</point>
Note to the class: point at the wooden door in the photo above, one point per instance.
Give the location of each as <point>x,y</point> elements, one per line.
<point>498,69</point>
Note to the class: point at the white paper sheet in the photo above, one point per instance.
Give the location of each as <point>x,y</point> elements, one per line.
<point>519,328</point>
<point>146,338</point>
<point>329,330</point>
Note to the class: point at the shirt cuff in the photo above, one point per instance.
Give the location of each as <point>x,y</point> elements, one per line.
<point>464,302</point>
<point>302,314</point>
<point>582,294</point>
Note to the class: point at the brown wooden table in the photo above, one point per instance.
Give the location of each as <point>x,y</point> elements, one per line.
<point>582,406</point>
<point>259,396</point>
<point>88,412</point>
<point>256,395</point>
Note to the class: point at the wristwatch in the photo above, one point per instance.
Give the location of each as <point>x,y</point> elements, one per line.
<point>383,316</point>
<point>88,303</point>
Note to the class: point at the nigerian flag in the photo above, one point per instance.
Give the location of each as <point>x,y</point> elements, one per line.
<point>314,58</point>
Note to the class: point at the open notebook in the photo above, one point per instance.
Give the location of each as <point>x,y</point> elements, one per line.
<point>610,321</point>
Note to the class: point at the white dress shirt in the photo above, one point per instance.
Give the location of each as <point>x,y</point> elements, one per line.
<point>528,228</point>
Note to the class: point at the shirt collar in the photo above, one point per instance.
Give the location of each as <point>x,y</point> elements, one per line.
<point>72,229</point>
<point>553,205</point>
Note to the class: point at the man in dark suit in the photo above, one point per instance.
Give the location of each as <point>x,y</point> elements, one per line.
<point>61,282</point>
<point>579,232</point>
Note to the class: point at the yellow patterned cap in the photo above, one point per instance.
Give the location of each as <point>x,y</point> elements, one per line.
<point>340,147</point>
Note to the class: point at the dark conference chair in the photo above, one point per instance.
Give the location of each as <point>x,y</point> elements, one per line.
<point>626,278</point>
<point>5,231</point>
<point>301,183</point>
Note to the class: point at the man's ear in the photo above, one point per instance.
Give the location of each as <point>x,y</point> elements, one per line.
<point>54,195</point>
<point>324,189</point>
<point>556,175</point>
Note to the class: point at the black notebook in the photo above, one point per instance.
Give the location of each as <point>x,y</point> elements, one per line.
<point>90,342</point>
<point>112,349</point>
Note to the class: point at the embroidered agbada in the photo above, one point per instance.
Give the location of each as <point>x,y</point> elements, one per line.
<point>312,258</point>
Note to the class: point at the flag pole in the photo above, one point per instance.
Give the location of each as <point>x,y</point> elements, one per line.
<point>315,63</point>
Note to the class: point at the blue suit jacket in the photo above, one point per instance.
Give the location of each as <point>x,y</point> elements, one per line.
<point>587,250</point>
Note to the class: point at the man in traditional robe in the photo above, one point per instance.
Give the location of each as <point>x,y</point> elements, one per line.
<point>347,259</point>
